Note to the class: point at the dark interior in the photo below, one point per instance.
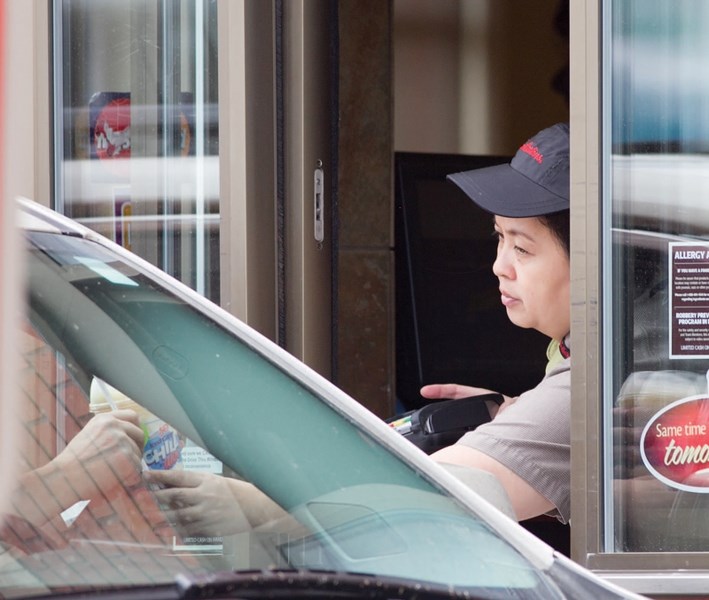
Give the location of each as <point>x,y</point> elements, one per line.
<point>451,326</point>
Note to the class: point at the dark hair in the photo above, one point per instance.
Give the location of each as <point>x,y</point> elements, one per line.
<point>559,224</point>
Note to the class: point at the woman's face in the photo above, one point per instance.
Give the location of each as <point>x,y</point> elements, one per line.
<point>534,274</point>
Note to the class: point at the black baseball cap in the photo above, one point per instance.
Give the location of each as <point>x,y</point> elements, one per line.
<point>536,182</point>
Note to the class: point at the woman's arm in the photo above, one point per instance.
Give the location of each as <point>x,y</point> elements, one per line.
<point>526,501</point>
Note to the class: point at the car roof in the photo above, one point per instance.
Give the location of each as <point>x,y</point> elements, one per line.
<point>32,216</point>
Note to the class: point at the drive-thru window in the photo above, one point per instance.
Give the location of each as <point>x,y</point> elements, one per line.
<point>640,231</point>
<point>171,104</point>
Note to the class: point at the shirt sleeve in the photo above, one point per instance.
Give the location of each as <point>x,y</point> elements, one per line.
<point>532,438</point>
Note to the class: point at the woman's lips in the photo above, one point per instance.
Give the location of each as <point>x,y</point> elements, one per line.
<point>506,299</point>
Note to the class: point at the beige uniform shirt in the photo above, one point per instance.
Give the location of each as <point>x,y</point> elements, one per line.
<point>532,436</point>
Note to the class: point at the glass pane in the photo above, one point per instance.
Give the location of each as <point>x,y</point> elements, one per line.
<point>656,276</point>
<point>136,148</point>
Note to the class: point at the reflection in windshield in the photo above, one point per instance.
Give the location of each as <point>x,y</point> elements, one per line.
<point>157,442</point>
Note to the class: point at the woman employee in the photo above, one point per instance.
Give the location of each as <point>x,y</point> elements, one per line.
<point>526,444</point>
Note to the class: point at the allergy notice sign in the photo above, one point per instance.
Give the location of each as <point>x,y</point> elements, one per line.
<point>689,300</point>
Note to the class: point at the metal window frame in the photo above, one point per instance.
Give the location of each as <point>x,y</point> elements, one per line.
<point>247,161</point>
<point>274,128</point>
<point>669,573</point>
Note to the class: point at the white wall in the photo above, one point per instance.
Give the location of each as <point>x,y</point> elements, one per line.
<point>426,53</point>
<point>474,76</point>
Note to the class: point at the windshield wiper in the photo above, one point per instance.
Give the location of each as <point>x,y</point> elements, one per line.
<point>301,584</point>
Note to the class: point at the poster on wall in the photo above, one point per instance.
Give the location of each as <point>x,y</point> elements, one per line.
<point>109,135</point>
<point>674,444</point>
<point>689,300</point>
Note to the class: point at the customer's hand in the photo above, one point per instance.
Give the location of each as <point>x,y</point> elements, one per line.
<point>102,458</point>
<point>198,503</point>
<point>106,453</point>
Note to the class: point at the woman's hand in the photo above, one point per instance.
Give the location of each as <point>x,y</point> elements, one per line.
<point>454,391</point>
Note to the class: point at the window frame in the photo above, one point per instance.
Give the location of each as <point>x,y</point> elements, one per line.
<point>651,572</point>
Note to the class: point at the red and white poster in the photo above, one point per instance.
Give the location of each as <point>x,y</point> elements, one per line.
<point>674,445</point>
<point>109,130</point>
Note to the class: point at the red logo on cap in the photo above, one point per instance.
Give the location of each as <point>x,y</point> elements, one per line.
<point>530,148</point>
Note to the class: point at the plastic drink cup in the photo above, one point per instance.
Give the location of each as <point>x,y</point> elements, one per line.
<point>163,444</point>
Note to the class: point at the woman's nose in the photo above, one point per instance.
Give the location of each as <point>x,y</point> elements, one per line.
<point>502,267</point>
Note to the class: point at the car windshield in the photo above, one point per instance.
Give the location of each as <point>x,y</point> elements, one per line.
<point>249,461</point>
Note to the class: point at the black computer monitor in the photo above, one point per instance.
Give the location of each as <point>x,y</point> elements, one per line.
<point>450,324</point>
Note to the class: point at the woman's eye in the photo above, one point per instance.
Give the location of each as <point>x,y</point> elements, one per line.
<point>520,251</point>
